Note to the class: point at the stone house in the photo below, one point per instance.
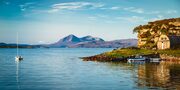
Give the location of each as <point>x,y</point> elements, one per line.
<point>167,42</point>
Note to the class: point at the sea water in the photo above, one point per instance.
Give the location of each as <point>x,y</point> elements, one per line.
<point>62,69</point>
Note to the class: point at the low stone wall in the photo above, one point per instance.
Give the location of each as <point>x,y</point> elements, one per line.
<point>169,58</point>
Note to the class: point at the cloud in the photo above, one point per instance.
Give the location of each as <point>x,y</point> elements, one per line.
<point>75,6</point>
<point>135,10</point>
<point>110,22</point>
<point>102,15</point>
<point>53,10</point>
<point>7,3</point>
<point>92,18</point>
<point>110,8</point>
<point>132,19</point>
<point>114,8</point>
<point>162,12</point>
<point>158,17</point>
<point>153,12</point>
<point>138,19</point>
<point>171,12</point>
<point>23,7</point>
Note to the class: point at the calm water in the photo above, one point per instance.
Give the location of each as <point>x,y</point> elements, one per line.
<point>61,69</point>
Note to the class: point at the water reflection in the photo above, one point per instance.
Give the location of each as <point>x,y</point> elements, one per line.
<point>17,74</point>
<point>159,75</point>
<point>162,75</point>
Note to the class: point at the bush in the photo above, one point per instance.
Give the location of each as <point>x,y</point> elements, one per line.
<point>131,48</point>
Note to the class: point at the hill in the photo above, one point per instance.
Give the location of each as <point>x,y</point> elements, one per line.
<point>72,41</point>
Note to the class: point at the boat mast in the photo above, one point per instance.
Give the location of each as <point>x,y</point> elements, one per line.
<point>17,45</point>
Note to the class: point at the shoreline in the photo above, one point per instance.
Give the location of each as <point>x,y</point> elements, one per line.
<point>121,55</point>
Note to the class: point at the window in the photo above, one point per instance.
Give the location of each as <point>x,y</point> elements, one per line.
<point>164,38</point>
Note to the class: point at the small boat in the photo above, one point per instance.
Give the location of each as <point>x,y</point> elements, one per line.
<point>136,59</point>
<point>17,57</point>
<point>155,60</point>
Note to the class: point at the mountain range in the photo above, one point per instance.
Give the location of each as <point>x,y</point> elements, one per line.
<point>72,41</point>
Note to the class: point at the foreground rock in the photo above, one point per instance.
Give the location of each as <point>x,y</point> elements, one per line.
<point>104,58</point>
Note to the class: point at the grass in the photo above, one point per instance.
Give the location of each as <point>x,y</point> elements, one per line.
<point>131,52</point>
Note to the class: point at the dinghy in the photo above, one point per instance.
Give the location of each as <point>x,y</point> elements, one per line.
<point>136,59</point>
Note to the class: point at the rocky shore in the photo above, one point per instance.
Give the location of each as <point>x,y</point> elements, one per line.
<point>104,58</point>
<point>169,58</point>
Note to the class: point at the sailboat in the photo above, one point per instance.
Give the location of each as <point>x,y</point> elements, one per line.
<point>18,57</point>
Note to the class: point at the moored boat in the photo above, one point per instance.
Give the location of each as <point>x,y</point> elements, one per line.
<point>136,59</point>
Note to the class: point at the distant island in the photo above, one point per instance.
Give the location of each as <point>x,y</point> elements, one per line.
<point>72,41</point>
<point>5,45</point>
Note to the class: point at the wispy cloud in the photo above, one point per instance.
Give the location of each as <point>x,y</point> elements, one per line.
<point>171,11</point>
<point>98,17</point>
<point>162,12</point>
<point>75,6</point>
<point>139,19</point>
<point>110,22</point>
<point>7,3</point>
<point>133,9</point>
<point>115,8</point>
<point>92,18</point>
<point>132,19</point>
<point>110,8</point>
<point>158,17</point>
<point>153,12</point>
<point>52,10</point>
<point>24,7</point>
<point>102,15</point>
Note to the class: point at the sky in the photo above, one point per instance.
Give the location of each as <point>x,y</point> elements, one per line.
<point>46,21</point>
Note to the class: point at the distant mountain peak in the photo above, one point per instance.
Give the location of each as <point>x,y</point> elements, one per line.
<point>71,35</point>
<point>91,38</point>
<point>71,38</point>
<point>88,41</point>
<point>88,36</point>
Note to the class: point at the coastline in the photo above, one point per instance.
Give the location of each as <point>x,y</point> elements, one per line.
<point>121,55</point>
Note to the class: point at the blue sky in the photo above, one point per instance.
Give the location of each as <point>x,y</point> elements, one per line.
<point>46,21</point>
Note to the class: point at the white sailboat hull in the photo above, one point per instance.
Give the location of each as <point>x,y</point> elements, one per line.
<point>18,58</point>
